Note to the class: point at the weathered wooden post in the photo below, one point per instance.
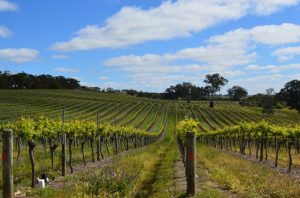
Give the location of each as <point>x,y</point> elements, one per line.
<point>98,138</point>
<point>63,149</point>
<point>7,160</point>
<point>190,163</point>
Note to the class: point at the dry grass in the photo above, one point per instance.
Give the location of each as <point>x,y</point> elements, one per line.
<point>245,178</point>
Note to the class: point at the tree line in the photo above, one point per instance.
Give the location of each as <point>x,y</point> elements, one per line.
<point>289,95</point>
<point>28,81</point>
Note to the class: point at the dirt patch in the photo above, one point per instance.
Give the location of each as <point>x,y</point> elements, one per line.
<point>179,177</point>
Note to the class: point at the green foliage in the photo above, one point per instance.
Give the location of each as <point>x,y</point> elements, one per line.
<point>5,125</point>
<point>215,81</point>
<point>28,81</point>
<point>26,129</point>
<point>46,127</point>
<point>291,94</point>
<point>187,125</point>
<point>30,129</point>
<point>237,92</point>
<point>256,129</point>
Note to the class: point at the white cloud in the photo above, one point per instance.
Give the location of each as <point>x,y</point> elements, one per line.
<point>150,82</point>
<point>231,74</point>
<point>233,48</point>
<point>218,55</point>
<point>284,58</point>
<point>287,53</point>
<point>150,64</point>
<point>242,43</point>
<point>104,78</point>
<point>89,84</point>
<point>66,70</point>
<point>5,32</point>
<point>157,72</point>
<point>276,34</point>
<point>59,56</point>
<point>261,83</point>
<point>295,76</point>
<point>18,55</point>
<point>7,6</point>
<point>274,68</point>
<point>230,54</point>
<point>257,67</point>
<point>115,85</point>
<point>181,18</point>
<point>265,7</point>
<point>285,33</point>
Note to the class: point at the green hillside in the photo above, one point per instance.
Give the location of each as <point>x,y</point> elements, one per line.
<point>122,109</point>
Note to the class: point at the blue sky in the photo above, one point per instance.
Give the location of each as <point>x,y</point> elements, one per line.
<point>150,45</point>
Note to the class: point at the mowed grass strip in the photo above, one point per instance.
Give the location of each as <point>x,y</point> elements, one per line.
<point>244,178</point>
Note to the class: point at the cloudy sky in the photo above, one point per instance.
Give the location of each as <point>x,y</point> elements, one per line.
<point>150,45</point>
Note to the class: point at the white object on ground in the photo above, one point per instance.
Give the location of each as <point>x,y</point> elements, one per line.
<point>41,183</point>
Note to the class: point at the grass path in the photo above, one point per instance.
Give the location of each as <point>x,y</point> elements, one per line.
<point>162,182</point>
<point>230,176</point>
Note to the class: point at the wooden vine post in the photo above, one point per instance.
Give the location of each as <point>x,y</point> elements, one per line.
<point>7,160</point>
<point>190,163</point>
<point>98,138</point>
<point>63,151</point>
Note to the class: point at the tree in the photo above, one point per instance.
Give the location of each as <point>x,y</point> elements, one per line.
<point>237,92</point>
<point>270,91</point>
<point>215,82</point>
<point>291,94</point>
<point>110,90</point>
<point>187,91</point>
<point>268,102</point>
<point>170,93</point>
<point>198,93</point>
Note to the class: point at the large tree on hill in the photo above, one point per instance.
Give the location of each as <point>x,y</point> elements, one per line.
<point>291,94</point>
<point>237,92</point>
<point>186,91</point>
<point>215,82</point>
